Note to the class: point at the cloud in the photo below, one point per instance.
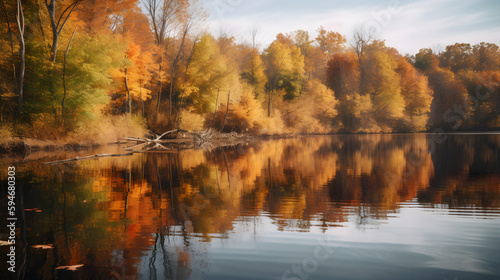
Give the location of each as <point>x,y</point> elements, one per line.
<point>416,24</point>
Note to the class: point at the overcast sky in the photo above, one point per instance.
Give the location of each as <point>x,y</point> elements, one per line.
<point>408,25</point>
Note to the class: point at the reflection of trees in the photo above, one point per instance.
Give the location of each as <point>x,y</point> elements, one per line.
<point>467,172</point>
<point>112,213</point>
<point>381,170</point>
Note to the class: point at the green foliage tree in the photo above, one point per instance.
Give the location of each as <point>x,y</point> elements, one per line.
<point>424,59</point>
<point>207,73</point>
<point>253,73</point>
<point>284,68</point>
<point>88,79</point>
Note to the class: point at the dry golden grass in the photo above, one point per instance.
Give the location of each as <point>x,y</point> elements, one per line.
<point>41,136</point>
<point>108,129</point>
<point>5,135</point>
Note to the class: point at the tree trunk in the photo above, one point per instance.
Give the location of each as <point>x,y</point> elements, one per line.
<point>142,99</point>
<point>22,53</point>
<point>64,76</point>
<point>175,61</point>
<point>55,40</point>
<point>170,93</point>
<point>51,9</point>
<point>20,78</point>
<point>227,110</point>
<point>12,54</point>
<point>215,111</point>
<point>9,32</point>
<point>159,92</point>
<point>58,26</point>
<point>270,104</point>
<point>129,101</point>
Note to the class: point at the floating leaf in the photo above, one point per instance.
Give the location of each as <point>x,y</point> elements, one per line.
<point>33,210</point>
<point>43,247</point>
<point>70,267</point>
<point>4,243</point>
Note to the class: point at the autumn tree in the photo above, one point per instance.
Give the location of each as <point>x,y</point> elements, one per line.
<point>128,22</point>
<point>285,39</point>
<point>417,96</point>
<point>457,57</point>
<point>425,59</point>
<point>133,77</point>
<point>463,78</point>
<point>245,115</point>
<point>253,72</point>
<point>87,80</point>
<point>388,103</point>
<point>207,73</point>
<point>284,69</point>
<point>342,74</point>
<point>164,17</point>
<point>361,41</point>
<point>394,96</point>
<point>8,59</point>
<point>94,17</point>
<point>57,22</point>
<point>487,57</point>
<point>483,92</point>
<point>343,78</point>
<point>477,68</point>
<point>325,104</point>
<point>303,41</point>
<point>178,46</point>
<point>329,41</point>
<point>22,56</point>
<point>449,95</point>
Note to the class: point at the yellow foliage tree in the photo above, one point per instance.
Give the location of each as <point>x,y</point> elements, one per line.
<point>417,95</point>
<point>208,73</point>
<point>253,73</point>
<point>324,103</point>
<point>388,103</point>
<point>245,115</point>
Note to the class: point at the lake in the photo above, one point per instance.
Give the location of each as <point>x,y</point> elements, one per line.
<point>415,206</point>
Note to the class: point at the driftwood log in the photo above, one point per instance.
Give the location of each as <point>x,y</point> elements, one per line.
<point>87,157</point>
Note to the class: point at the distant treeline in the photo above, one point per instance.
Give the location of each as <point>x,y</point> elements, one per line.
<point>66,65</point>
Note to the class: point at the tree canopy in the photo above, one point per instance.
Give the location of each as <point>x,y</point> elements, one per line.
<point>69,63</point>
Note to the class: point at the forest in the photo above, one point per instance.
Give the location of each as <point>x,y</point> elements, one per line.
<point>100,70</point>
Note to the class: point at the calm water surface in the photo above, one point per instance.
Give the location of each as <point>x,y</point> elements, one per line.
<point>329,207</point>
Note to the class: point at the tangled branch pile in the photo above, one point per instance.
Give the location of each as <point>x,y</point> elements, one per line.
<point>175,140</point>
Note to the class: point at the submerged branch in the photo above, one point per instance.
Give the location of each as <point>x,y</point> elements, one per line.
<point>87,157</point>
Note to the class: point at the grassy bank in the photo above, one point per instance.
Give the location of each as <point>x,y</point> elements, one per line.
<point>99,132</point>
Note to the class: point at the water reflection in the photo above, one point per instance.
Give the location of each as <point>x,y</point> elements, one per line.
<point>165,216</point>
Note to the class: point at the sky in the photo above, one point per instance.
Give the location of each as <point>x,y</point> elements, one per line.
<point>407,25</point>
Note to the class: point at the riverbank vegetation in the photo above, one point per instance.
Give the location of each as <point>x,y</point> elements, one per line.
<point>102,70</point>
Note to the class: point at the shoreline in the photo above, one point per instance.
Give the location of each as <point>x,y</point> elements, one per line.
<point>23,146</point>
<point>19,146</point>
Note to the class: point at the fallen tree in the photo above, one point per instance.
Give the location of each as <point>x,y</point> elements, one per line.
<point>171,142</point>
<point>176,140</point>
